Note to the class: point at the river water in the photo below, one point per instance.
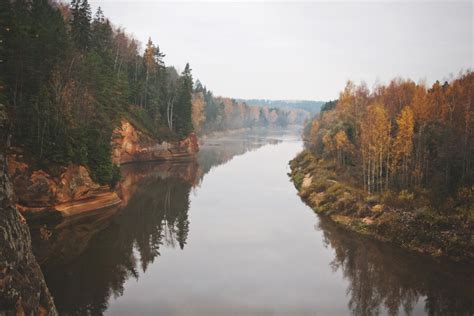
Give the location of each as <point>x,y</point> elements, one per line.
<point>228,235</point>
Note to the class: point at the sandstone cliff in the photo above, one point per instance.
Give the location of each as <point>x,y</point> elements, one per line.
<point>23,290</point>
<point>131,145</point>
<point>73,192</point>
<point>59,242</point>
<point>37,188</point>
<point>65,208</point>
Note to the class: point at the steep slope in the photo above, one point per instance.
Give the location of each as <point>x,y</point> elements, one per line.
<point>22,286</point>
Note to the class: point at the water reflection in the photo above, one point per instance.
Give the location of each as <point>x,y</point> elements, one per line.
<point>386,280</point>
<point>215,152</point>
<point>156,214</point>
<point>57,242</point>
<point>88,263</point>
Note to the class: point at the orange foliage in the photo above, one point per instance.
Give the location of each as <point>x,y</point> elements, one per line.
<point>402,135</point>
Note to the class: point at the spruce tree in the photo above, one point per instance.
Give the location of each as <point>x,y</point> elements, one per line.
<point>102,36</point>
<point>80,24</point>
<point>184,124</point>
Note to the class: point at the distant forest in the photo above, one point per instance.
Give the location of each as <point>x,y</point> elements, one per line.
<point>311,106</point>
<point>211,113</point>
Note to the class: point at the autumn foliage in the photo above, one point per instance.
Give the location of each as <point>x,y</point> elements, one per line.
<point>401,136</point>
<point>216,114</point>
<point>68,79</point>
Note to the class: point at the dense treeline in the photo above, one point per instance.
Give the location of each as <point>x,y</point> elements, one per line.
<point>402,137</point>
<point>312,107</point>
<point>211,113</point>
<point>68,78</point>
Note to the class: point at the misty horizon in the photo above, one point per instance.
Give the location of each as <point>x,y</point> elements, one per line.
<point>256,50</point>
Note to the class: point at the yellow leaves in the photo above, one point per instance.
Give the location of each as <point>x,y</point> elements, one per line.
<point>404,138</point>
<point>341,140</point>
<point>402,133</point>
<point>422,109</point>
<point>353,99</point>
<point>347,97</point>
<point>343,146</point>
<point>375,130</point>
<point>149,56</point>
<point>328,143</point>
<point>375,146</point>
<point>314,131</point>
<point>198,115</point>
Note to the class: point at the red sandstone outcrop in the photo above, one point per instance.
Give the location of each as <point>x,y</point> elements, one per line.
<point>58,242</point>
<point>131,145</point>
<point>37,188</point>
<point>73,192</point>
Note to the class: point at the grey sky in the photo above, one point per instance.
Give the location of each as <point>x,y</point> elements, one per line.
<point>304,50</point>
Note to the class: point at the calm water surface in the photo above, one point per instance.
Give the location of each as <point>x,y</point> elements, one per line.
<point>228,235</point>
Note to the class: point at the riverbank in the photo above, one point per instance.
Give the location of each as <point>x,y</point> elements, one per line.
<point>59,239</point>
<point>60,192</point>
<point>386,217</point>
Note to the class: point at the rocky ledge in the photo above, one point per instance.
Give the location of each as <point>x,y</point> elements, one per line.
<point>132,145</point>
<point>71,193</point>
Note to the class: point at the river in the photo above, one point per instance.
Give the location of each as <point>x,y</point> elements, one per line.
<point>227,234</point>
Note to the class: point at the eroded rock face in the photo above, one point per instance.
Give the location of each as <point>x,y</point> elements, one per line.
<point>131,145</point>
<point>58,243</point>
<point>190,144</point>
<point>35,189</point>
<point>39,189</point>
<point>23,290</point>
<point>75,183</point>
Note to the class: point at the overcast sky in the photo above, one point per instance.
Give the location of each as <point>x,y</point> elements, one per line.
<point>303,50</point>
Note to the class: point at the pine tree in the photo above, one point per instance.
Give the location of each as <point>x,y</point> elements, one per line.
<point>80,24</point>
<point>102,36</point>
<point>183,113</point>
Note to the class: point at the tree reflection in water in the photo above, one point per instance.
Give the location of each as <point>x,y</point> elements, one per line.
<point>386,280</point>
<point>157,213</point>
<point>381,279</point>
<point>156,196</point>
